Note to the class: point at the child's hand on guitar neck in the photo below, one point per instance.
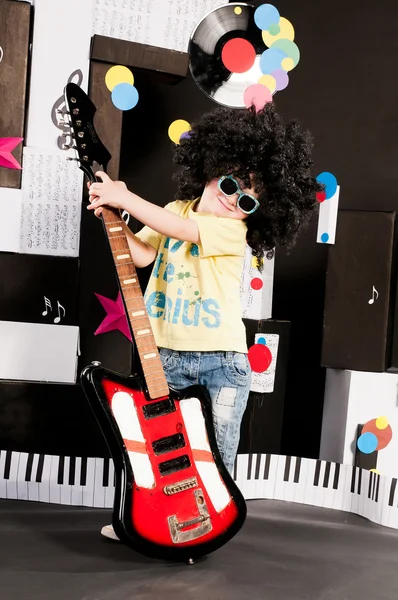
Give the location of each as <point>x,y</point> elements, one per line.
<point>107,193</point>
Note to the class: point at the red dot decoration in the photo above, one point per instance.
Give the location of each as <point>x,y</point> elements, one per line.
<point>383,435</point>
<point>238,55</point>
<point>260,358</point>
<point>321,196</point>
<point>256,283</point>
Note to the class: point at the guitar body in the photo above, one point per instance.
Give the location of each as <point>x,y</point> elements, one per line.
<point>174,498</point>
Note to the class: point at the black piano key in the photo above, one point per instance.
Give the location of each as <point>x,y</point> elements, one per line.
<point>267,466</point>
<point>7,466</point>
<point>297,470</point>
<point>29,464</point>
<point>392,492</point>
<point>359,481</point>
<point>353,480</point>
<point>258,464</point>
<point>377,488</point>
<point>286,474</point>
<point>249,467</point>
<point>83,471</point>
<point>105,473</point>
<point>317,472</point>
<point>371,486</point>
<point>327,475</point>
<point>72,470</point>
<point>40,466</point>
<point>336,477</point>
<point>61,464</point>
<point>236,468</point>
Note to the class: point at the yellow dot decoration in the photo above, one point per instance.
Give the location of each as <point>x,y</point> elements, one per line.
<point>286,33</point>
<point>287,64</point>
<point>269,82</point>
<point>375,471</point>
<point>118,74</point>
<point>381,422</point>
<point>237,10</point>
<point>177,128</point>
<point>256,262</point>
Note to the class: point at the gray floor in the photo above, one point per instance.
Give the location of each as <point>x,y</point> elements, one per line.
<point>284,552</point>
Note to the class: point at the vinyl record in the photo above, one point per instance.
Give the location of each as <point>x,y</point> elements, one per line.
<point>232,58</point>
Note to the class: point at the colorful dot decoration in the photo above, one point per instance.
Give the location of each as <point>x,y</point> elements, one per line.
<point>330,183</point>
<point>120,82</point>
<point>281,56</point>
<point>260,357</point>
<point>178,130</point>
<point>376,435</point>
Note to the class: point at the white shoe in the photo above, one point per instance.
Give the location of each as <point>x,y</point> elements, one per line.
<point>109,533</point>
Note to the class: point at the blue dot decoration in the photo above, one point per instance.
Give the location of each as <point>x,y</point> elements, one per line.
<point>262,340</point>
<point>265,16</point>
<point>271,60</point>
<point>330,183</point>
<point>125,96</point>
<point>367,443</point>
<point>325,238</point>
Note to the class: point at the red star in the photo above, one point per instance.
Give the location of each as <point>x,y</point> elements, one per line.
<point>7,160</point>
<point>116,316</point>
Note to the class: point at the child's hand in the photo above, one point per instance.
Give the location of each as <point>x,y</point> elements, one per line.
<point>106,193</point>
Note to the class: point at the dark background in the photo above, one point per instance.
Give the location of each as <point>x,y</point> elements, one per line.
<point>344,90</point>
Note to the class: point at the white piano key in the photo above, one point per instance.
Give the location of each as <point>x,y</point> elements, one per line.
<point>379,498</point>
<point>294,473</point>
<point>390,495</point>
<point>77,488</point>
<point>309,488</point>
<point>99,490</point>
<point>280,484</point>
<point>12,492</point>
<point>259,482</point>
<point>241,473</point>
<point>110,490</point>
<point>363,504</point>
<point>329,490</point>
<point>340,479</point>
<point>355,488</point>
<point>55,487</point>
<point>88,489</point>
<point>33,486</point>
<point>3,487</point>
<point>258,461</point>
<point>318,483</point>
<point>66,488</point>
<point>269,475</point>
<point>44,486</point>
<point>22,486</point>
<point>301,485</point>
<point>347,500</point>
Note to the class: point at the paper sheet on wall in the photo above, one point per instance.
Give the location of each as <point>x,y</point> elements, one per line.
<point>257,287</point>
<point>167,24</point>
<point>10,222</point>
<point>61,46</point>
<point>52,190</point>
<point>264,382</point>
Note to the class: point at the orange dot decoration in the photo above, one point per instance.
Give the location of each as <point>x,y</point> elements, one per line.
<point>381,429</point>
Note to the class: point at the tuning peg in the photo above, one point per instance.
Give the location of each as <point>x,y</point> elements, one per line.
<point>67,147</point>
<point>74,159</point>
<point>63,112</point>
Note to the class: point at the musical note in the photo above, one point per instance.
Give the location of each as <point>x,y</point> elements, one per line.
<point>47,305</point>
<point>58,319</point>
<point>371,301</point>
<point>126,217</point>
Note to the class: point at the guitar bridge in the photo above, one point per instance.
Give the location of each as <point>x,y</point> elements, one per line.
<point>202,520</point>
<point>181,486</point>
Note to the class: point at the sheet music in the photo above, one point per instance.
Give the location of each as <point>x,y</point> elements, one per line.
<point>257,287</point>
<point>154,22</point>
<point>52,190</point>
<point>264,382</point>
<point>10,222</point>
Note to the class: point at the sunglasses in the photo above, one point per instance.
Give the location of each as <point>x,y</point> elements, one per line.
<point>246,203</point>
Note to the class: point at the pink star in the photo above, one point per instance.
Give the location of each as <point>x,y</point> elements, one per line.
<point>115,318</point>
<point>7,160</point>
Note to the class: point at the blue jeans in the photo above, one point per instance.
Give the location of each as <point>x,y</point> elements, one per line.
<point>227,376</point>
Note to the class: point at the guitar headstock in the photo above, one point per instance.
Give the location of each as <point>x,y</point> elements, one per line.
<point>91,151</point>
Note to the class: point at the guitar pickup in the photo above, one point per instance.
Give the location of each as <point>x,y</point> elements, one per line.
<point>168,444</point>
<point>158,409</point>
<point>175,464</point>
<point>181,486</point>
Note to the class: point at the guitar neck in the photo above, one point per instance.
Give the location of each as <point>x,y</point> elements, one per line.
<point>135,305</point>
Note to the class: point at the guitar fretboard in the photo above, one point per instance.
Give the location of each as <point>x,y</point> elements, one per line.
<point>135,305</point>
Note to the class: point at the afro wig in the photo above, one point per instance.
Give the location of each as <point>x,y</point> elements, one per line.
<point>259,149</point>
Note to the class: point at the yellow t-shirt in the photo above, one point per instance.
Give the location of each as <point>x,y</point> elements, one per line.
<point>193,297</point>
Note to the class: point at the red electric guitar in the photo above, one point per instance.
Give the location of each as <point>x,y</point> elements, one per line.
<point>174,499</point>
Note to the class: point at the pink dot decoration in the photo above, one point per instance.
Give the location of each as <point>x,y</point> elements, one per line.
<point>260,358</point>
<point>256,283</point>
<point>258,95</point>
<point>238,55</point>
